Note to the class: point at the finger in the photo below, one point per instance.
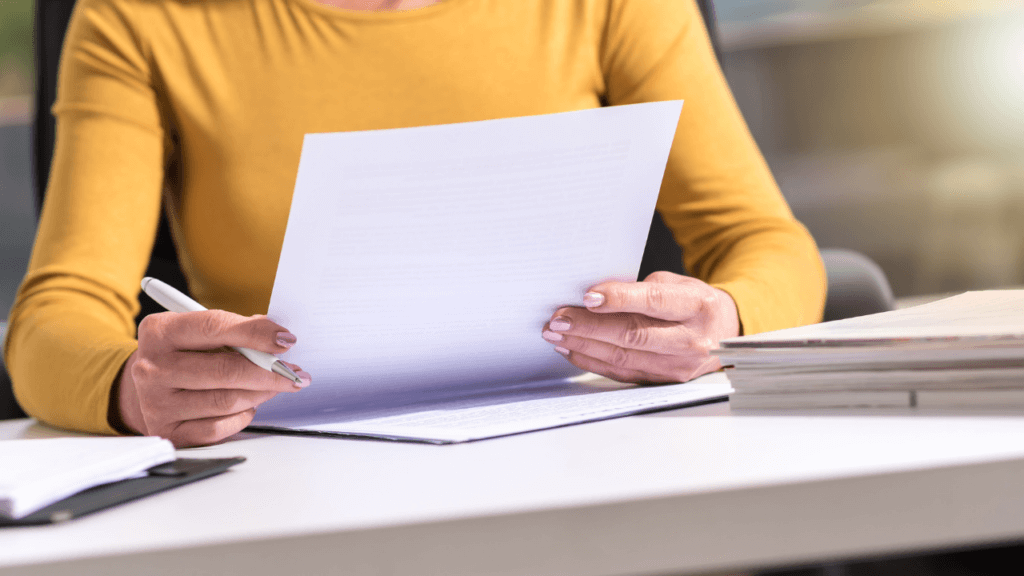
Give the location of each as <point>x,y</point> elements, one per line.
<point>673,302</point>
<point>212,329</point>
<point>663,277</point>
<point>596,366</point>
<point>603,368</point>
<point>674,368</point>
<point>198,404</point>
<point>633,331</point>
<point>209,430</point>
<point>203,371</point>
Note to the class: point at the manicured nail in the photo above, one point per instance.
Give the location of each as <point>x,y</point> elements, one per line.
<point>285,339</point>
<point>552,336</point>
<point>561,351</point>
<point>305,377</point>
<point>593,299</point>
<point>560,323</point>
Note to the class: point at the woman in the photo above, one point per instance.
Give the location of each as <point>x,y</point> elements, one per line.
<point>203,105</point>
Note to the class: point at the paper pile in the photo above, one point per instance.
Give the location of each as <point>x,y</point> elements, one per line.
<point>964,351</point>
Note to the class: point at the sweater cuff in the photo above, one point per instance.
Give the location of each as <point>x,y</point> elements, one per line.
<point>760,310</point>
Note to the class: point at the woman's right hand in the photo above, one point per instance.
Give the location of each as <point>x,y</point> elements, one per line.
<point>184,384</point>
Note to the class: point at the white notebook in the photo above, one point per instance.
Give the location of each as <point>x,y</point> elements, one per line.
<point>419,266</point>
<point>37,473</point>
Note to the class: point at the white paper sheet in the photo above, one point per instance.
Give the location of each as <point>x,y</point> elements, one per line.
<point>421,263</point>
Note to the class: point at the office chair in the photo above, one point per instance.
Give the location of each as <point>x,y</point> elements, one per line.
<point>856,285</point>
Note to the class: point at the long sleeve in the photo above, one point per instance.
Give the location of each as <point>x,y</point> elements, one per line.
<point>72,324</point>
<point>718,196</point>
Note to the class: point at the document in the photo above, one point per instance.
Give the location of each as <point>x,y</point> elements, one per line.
<point>419,266</point>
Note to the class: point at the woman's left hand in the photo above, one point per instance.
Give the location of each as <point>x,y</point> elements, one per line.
<point>658,330</point>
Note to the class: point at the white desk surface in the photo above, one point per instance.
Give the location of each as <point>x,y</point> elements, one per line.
<point>685,491</point>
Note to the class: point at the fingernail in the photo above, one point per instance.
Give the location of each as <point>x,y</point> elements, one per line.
<point>305,377</point>
<point>285,339</point>
<point>560,323</point>
<point>562,351</point>
<point>552,336</point>
<point>593,299</point>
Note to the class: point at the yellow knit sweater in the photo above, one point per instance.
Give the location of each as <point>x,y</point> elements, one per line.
<point>225,90</point>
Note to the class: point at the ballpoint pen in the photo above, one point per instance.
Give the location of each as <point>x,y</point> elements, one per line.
<point>173,300</point>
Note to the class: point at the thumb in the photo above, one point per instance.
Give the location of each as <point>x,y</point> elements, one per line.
<point>672,302</point>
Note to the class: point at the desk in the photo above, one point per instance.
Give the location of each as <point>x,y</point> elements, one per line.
<point>685,491</point>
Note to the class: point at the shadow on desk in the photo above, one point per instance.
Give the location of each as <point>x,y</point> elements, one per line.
<point>999,560</point>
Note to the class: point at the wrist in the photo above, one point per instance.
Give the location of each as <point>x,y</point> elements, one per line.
<point>728,314</point>
<point>125,414</point>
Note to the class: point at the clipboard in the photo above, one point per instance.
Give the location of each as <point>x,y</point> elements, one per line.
<point>159,478</point>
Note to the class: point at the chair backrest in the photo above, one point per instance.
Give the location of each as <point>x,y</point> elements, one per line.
<point>51,24</point>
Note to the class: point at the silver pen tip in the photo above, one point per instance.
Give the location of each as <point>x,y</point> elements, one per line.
<point>285,371</point>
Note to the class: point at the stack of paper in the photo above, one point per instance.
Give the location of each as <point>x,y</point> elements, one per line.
<point>964,351</point>
<point>37,473</point>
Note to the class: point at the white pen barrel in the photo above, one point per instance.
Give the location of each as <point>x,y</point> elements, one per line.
<point>169,297</point>
<point>261,359</point>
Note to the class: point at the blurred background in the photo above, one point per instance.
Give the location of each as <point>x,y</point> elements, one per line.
<point>894,127</point>
<point>17,215</point>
